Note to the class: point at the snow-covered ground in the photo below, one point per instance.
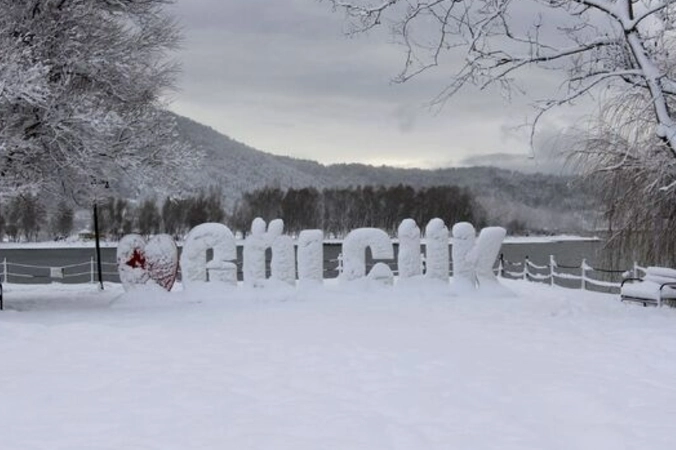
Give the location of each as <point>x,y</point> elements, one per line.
<point>334,368</point>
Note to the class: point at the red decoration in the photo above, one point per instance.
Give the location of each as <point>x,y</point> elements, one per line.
<point>140,261</point>
<point>137,260</point>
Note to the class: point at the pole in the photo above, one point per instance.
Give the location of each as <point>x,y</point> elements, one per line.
<point>552,263</point>
<point>583,274</point>
<point>98,246</point>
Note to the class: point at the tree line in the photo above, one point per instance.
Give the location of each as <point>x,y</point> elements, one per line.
<point>173,216</point>
<point>339,210</point>
<point>336,211</point>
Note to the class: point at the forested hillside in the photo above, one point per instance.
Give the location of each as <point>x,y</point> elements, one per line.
<point>535,201</point>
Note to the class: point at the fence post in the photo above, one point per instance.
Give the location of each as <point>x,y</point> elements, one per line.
<point>584,273</point>
<point>339,258</point>
<point>4,270</point>
<point>635,270</point>
<point>552,264</point>
<point>91,270</point>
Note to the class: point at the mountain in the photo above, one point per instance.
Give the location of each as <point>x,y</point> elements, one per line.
<point>542,201</point>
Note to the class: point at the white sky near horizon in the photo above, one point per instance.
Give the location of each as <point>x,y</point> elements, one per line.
<point>281,76</point>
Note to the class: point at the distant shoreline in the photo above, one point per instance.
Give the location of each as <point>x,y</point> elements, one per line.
<point>108,244</point>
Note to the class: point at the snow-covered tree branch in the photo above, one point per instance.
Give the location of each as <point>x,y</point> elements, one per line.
<point>81,94</point>
<point>626,45</point>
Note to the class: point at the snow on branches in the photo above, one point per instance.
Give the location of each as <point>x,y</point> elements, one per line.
<point>626,45</point>
<point>81,85</point>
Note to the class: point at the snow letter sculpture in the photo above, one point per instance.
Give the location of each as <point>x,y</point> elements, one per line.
<point>131,261</point>
<point>464,276</point>
<point>408,259</point>
<point>310,257</point>
<point>436,250</point>
<point>139,262</point>
<point>354,251</point>
<point>282,266</point>
<point>221,268</point>
<point>283,263</point>
<point>473,258</point>
<point>483,255</point>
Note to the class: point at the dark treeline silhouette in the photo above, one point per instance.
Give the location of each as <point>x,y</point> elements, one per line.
<point>26,218</point>
<point>174,216</point>
<point>339,210</point>
<point>336,211</point>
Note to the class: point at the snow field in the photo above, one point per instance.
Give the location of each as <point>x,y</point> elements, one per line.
<point>409,367</point>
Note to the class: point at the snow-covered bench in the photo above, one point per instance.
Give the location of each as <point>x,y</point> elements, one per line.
<point>658,284</point>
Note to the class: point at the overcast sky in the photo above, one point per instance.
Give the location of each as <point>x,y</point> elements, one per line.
<point>281,76</point>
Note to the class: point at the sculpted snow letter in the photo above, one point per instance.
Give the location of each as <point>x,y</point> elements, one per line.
<point>139,262</point>
<point>354,251</point>
<point>409,261</point>
<point>194,266</point>
<point>436,250</point>
<point>484,254</point>
<point>282,266</point>
<point>310,257</point>
<point>473,259</point>
<point>464,275</point>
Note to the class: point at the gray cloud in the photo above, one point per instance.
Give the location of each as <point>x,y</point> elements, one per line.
<point>281,76</point>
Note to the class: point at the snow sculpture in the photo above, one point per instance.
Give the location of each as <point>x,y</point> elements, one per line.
<point>381,274</point>
<point>464,276</point>
<point>131,261</point>
<point>139,262</point>
<point>408,259</point>
<point>473,258</point>
<point>162,260</point>
<point>310,257</point>
<point>436,250</point>
<point>282,266</point>
<point>483,255</point>
<point>255,245</point>
<point>221,268</point>
<point>354,251</point>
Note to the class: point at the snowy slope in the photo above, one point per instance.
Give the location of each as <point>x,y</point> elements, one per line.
<point>334,368</point>
<point>238,168</point>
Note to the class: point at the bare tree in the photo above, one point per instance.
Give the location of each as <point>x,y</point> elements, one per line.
<point>624,45</point>
<point>62,220</point>
<point>632,174</point>
<point>81,89</point>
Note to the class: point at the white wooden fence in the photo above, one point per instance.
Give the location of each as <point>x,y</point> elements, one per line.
<point>582,276</point>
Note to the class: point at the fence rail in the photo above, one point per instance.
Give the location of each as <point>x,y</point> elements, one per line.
<point>553,273</point>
